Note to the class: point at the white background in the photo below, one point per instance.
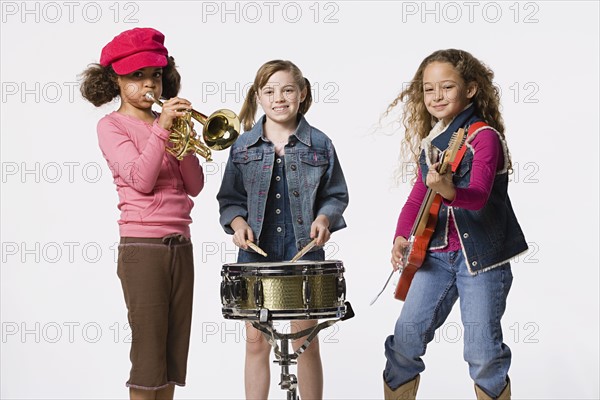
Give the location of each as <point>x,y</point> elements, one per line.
<point>64,333</point>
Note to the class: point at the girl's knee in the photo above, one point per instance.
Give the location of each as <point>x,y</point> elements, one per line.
<point>311,351</point>
<point>257,346</point>
<point>308,325</point>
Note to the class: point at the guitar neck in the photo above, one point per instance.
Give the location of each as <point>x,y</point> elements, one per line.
<point>447,157</point>
<point>423,215</point>
<point>425,223</point>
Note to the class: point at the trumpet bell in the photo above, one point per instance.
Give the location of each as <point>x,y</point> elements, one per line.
<point>221,130</point>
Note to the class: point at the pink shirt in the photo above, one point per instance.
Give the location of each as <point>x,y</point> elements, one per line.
<point>153,186</point>
<point>487,159</point>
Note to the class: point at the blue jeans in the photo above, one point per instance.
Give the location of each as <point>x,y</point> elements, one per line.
<point>436,286</point>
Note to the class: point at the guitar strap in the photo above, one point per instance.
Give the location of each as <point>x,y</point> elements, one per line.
<point>463,149</point>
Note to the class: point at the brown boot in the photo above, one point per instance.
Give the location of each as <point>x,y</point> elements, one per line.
<point>505,395</point>
<point>408,391</point>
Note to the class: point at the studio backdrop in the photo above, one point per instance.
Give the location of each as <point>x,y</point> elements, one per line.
<point>64,322</point>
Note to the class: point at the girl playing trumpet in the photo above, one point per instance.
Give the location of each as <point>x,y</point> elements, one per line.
<point>155,262</point>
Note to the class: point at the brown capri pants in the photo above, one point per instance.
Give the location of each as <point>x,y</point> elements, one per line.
<point>157,276</point>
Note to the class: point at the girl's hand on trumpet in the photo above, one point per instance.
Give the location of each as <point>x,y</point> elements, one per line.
<point>171,109</point>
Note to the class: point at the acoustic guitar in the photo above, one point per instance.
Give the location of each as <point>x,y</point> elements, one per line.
<point>424,226</point>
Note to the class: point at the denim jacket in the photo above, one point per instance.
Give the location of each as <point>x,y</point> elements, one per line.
<point>490,236</point>
<point>316,183</point>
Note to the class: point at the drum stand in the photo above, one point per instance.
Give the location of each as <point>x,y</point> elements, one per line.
<point>283,357</point>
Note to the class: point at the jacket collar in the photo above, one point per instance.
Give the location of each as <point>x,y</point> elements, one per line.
<point>302,131</point>
<point>460,121</point>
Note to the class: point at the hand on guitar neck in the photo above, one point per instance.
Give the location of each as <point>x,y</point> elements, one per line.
<point>441,182</point>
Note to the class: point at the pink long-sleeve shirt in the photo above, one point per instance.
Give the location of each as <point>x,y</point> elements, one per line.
<point>154,188</point>
<point>488,158</point>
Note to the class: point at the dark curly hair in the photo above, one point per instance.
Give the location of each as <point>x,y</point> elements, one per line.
<point>99,84</point>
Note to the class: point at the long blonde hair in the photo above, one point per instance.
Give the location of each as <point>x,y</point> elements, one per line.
<point>248,111</point>
<point>416,119</point>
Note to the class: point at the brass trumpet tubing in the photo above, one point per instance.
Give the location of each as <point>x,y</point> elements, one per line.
<point>220,131</point>
<point>198,116</point>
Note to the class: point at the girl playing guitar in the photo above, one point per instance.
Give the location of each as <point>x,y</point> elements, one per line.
<point>476,232</point>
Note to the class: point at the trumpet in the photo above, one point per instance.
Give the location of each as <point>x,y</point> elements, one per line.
<point>221,130</point>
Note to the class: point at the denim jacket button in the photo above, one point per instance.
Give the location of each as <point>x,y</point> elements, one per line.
<point>279,229</point>
<point>293,167</point>
<point>295,193</point>
<point>474,263</point>
<point>300,220</point>
<point>278,196</point>
<point>277,178</point>
<point>279,161</point>
<point>278,211</point>
<point>465,235</point>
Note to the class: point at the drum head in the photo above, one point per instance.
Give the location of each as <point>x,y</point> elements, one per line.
<point>284,268</point>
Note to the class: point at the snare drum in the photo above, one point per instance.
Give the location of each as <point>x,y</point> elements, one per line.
<point>283,290</point>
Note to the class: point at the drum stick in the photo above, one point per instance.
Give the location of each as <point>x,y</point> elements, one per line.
<point>305,250</point>
<point>256,248</point>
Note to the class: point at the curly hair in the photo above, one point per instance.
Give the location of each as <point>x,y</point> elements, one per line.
<point>416,119</point>
<point>99,84</point>
<point>263,74</point>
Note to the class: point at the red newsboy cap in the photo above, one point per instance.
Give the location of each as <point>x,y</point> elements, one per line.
<point>134,49</point>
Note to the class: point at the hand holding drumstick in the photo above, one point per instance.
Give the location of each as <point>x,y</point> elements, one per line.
<point>319,231</point>
<point>243,237</point>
